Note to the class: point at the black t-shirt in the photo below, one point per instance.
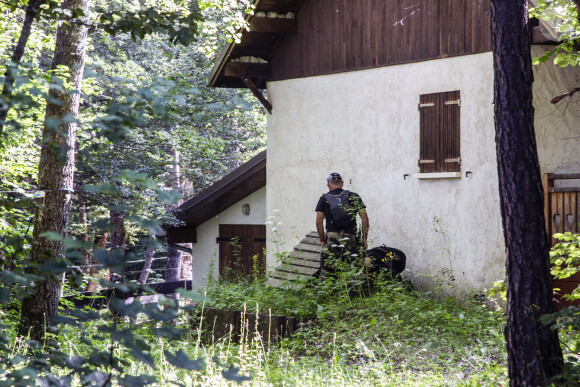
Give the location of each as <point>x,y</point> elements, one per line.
<point>355,204</point>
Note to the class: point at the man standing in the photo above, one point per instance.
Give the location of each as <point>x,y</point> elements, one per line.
<point>340,208</point>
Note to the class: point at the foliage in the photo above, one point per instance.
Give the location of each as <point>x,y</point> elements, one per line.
<point>562,16</point>
<point>382,333</point>
<point>565,260</point>
<point>141,100</point>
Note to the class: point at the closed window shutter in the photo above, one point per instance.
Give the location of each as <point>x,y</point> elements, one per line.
<point>439,127</point>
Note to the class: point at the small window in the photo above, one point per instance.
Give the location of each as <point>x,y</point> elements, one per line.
<point>439,115</point>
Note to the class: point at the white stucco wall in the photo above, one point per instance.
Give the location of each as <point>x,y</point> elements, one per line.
<point>206,250</point>
<point>557,125</point>
<point>365,125</point>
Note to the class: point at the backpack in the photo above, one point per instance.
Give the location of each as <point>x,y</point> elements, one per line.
<point>388,258</point>
<point>338,208</point>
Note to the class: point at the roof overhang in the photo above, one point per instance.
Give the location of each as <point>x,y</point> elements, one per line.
<point>243,181</point>
<point>250,58</point>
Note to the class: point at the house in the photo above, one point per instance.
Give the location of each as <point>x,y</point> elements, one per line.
<point>397,96</point>
<point>225,224</point>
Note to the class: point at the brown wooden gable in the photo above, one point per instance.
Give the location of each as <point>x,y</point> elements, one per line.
<point>331,36</point>
<point>248,178</point>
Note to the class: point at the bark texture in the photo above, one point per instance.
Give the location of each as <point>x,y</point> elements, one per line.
<point>118,236</point>
<point>32,11</point>
<point>146,266</point>
<point>534,354</point>
<point>56,173</point>
<point>174,256</point>
<point>100,243</point>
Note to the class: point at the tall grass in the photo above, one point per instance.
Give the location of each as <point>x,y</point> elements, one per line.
<point>390,336</point>
<point>355,335</point>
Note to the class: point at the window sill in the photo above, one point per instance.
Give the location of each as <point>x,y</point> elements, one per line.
<point>437,175</point>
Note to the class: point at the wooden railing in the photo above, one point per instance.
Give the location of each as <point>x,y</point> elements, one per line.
<point>562,211</point>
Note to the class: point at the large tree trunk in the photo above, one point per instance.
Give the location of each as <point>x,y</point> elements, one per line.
<point>174,256</point>
<point>56,172</point>
<point>534,354</point>
<point>32,11</point>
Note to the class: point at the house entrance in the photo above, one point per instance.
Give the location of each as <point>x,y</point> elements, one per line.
<point>241,250</point>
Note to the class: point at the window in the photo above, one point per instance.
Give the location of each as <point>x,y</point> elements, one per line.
<point>439,115</point>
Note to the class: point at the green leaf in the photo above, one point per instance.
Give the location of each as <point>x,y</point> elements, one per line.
<point>52,236</point>
<point>142,356</point>
<point>547,319</point>
<point>192,295</point>
<point>181,360</point>
<point>115,260</point>
<point>4,295</point>
<point>232,374</point>
<point>137,381</point>
<point>54,267</point>
<point>170,332</point>
<point>75,362</point>
<point>131,310</point>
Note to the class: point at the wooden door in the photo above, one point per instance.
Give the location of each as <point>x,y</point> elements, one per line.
<point>562,212</point>
<point>241,251</point>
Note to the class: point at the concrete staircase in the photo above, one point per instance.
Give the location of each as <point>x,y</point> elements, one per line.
<point>300,264</point>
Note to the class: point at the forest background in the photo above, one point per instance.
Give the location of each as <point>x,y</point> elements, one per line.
<point>146,118</point>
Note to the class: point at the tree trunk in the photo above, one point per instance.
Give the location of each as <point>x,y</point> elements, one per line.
<point>84,237</point>
<point>100,243</point>
<point>32,11</point>
<point>56,173</point>
<point>118,236</point>
<point>174,256</point>
<point>534,354</point>
<point>173,268</point>
<point>147,265</point>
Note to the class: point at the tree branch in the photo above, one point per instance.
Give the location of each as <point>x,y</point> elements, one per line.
<point>564,95</point>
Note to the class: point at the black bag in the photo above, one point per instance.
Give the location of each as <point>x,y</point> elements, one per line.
<point>387,258</point>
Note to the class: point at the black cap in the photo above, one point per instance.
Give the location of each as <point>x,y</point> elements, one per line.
<point>334,176</point>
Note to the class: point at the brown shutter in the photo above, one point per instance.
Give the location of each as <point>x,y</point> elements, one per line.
<point>449,124</point>
<point>439,132</point>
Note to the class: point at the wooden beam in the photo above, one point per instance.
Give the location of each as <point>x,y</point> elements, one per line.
<point>248,82</point>
<point>238,70</point>
<point>272,25</point>
<point>185,234</point>
<point>539,38</point>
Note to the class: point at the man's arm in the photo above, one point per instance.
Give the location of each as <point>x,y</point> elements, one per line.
<point>365,227</point>
<point>320,226</point>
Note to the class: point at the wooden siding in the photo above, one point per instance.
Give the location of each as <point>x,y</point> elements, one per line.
<point>343,35</point>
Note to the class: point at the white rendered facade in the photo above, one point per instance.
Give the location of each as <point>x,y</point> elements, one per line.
<point>206,250</point>
<point>365,125</point>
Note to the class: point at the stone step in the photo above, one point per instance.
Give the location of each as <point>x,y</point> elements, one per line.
<point>308,247</point>
<point>291,275</point>
<point>293,261</point>
<point>312,234</point>
<point>298,269</point>
<point>302,254</point>
<point>300,264</point>
<point>283,283</point>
